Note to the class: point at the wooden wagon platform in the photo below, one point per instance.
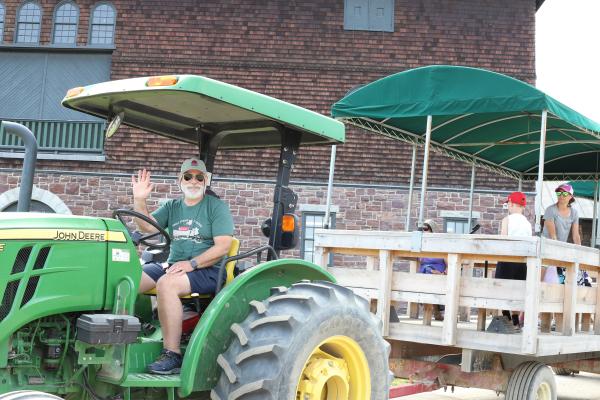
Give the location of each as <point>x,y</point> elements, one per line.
<point>574,307</point>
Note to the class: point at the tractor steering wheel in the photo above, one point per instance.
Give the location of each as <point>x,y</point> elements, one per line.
<point>141,238</point>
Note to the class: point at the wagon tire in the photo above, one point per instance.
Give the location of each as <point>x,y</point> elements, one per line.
<point>311,340</point>
<point>564,371</point>
<point>531,381</point>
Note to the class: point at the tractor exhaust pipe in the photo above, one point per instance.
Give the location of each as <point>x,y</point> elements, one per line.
<point>28,162</point>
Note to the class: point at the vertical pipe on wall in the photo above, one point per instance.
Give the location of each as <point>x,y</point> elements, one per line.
<point>411,186</point>
<point>329,188</point>
<point>471,193</point>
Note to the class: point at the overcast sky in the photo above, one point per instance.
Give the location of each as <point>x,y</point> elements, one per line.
<point>568,53</point>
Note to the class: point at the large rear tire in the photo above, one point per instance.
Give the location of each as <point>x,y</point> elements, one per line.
<point>310,341</point>
<point>531,381</point>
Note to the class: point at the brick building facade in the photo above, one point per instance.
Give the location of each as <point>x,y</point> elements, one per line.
<point>307,53</point>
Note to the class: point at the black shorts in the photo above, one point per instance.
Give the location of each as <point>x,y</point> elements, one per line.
<point>511,270</point>
<point>203,280</point>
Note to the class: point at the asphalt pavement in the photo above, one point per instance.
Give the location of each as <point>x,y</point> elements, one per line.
<point>582,386</point>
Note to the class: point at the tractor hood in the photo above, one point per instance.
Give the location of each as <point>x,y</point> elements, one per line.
<point>42,226</point>
<point>183,106</point>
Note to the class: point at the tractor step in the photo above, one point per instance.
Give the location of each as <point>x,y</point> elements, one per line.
<point>151,380</point>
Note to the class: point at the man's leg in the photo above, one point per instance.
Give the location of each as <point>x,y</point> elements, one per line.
<point>170,312</point>
<point>146,283</point>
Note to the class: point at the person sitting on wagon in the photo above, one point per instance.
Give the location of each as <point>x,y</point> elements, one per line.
<point>514,224</point>
<point>436,266</point>
<point>201,228</point>
<point>560,219</point>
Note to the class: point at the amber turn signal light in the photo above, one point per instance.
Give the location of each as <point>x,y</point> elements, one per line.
<point>74,92</point>
<point>288,223</point>
<point>165,80</point>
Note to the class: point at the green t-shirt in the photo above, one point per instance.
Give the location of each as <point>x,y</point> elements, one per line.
<point>192,229</point>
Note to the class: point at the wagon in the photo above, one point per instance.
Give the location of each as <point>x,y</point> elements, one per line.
<point>506,126</point>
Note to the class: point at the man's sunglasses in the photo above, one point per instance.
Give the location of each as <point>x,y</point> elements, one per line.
<point>188,177</point>
<point>563,194</point>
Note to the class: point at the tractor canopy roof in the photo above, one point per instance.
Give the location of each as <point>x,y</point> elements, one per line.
<point>184,107</point>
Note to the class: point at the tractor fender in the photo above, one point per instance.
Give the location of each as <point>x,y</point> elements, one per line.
<point>213,334</point>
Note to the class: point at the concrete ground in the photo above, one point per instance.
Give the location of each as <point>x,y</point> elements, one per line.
<point>583,386</point>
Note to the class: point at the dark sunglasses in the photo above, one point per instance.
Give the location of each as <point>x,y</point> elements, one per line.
<point>188,177</point>
<point>564,194</point>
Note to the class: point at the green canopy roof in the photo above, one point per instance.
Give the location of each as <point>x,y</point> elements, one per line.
<point>583,188</point>
<point>186,104</point>
<point>478,116</point>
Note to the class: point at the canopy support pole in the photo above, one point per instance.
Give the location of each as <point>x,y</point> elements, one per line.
<point>540,180</point>
<point>425,166</point>
<point>329,188</point>
<point>520,186</point>
<point>471,193</point>
<point>411,186</point>
<point>595,217</point>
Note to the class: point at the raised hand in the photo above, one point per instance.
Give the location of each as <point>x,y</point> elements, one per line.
<point>142,187</point>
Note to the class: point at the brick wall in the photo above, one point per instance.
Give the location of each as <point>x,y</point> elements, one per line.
<point>299,52</point>
<point>360,208</point>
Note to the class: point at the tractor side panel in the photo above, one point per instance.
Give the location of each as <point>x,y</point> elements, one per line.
<point>212,335</point>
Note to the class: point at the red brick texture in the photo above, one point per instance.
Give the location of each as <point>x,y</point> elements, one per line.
<point>299,52</point>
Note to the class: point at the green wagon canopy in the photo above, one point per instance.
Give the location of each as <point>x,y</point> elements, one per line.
<point>478,116</point>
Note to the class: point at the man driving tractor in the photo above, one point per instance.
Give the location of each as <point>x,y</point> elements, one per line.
<point>201,228</point>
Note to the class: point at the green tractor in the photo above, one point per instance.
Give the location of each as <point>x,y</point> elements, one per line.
<point>71,320</point>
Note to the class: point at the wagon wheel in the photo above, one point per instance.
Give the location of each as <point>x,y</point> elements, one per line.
<point>310,341</point>
<point>531,381</point>
<point>564,371</point>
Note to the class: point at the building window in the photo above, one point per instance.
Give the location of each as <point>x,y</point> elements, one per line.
<point>310,221</point>
<point>369,15</point>
<point>457,225</point>
<point>66,16</point>
<point>1,22</point>
<point>102,29</point>
<point>29,19</point>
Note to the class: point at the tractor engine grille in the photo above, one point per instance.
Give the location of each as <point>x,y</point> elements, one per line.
<point>18,267</point>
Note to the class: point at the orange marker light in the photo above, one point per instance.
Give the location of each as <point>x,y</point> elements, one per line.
<point>288,223</point>
<point>74,92</point>
<point>165,80</point>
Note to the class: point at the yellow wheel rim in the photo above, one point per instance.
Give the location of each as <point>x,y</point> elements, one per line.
<point>337,369</point>
<point>544,392</point>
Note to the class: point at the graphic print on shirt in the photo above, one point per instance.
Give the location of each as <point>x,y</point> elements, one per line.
<point>187,229</point>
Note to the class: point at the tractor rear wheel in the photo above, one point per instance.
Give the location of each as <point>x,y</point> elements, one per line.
<point>531,381</point>
<point>314,340</point>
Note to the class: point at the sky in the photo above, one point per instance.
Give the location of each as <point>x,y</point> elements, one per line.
<point>568,53</point>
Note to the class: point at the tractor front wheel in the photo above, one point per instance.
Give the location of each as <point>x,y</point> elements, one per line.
<point>312,341</point>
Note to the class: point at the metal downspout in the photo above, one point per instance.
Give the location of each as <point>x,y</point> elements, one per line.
<point>595,213</point>
<point>471,193</point>
<point>329,188</point>
<point>411,187</point>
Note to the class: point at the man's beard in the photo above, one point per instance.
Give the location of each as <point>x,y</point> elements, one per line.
<point>193,194</point>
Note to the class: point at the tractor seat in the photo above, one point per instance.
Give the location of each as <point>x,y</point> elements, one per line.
<point>229,274</point>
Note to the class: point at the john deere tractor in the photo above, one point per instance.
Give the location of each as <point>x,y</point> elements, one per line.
<point>71,320</point>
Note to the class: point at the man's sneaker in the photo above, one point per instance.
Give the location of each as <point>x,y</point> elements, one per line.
<point>168,362</point>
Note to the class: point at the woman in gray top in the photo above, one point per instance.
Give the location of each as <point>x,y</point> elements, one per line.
<point>560,220</point>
